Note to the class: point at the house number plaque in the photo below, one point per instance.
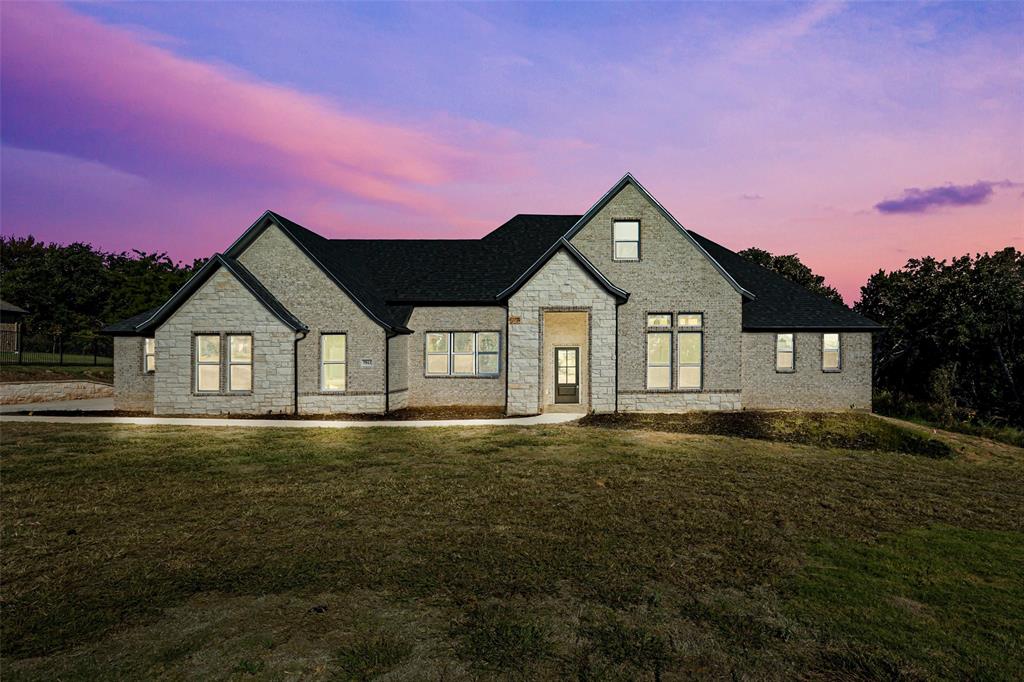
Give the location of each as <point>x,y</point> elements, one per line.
<point>514,319</point>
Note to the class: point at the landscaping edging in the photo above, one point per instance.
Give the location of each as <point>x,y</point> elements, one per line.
<point>17,392</point>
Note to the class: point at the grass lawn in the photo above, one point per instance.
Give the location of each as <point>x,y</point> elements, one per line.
<point>100,373</point>
<point>598,551</point>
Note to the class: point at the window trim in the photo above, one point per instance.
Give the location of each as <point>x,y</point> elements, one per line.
<point>639,239</point>
<point>323,363</point>
<point>230,363</point>
<point>700,364</point>
<point>450,374</point>
<point>648,365</point>
<point>839,352</point>
<point>197,363</point>
<point>146,354</point>
<point>775,354</point>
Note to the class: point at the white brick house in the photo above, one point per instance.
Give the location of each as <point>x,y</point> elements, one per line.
<point>620,309</point>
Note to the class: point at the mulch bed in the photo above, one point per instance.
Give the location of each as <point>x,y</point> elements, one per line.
<point>407,414</point>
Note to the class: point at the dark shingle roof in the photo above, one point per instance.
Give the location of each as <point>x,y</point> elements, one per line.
<point>386,277</point>
<point>781,303</point>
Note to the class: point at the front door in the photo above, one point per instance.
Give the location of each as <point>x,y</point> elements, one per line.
<point>567,375</point>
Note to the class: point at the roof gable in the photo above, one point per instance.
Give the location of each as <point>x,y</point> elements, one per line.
<point>628,179</point>
<point>146,323</point>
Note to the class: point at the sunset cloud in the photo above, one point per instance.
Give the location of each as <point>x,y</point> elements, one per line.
<point>916,200</point>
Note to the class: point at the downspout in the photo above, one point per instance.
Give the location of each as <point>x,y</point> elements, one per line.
<point>295,366</point>
<point>616,358</point>
<point>387,373</point>
<point>506,356</point>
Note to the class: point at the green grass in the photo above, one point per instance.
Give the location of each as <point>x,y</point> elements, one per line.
<point>104,374</point>
<point>534,553</point>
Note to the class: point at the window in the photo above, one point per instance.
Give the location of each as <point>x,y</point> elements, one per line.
<point>462,353</point>
<point>487,353</point>
<point>690,352</point>
<point>831,358</point>
<point>437,354</point>
<point>207,352</point>
<point>659,360</point>
<point>626,238</point>
<point>333,363</point>
<point>784,353</point>
<point>240,362</point>
<point>659,320</point>
<point>688,320</point>
<point>149,355</point>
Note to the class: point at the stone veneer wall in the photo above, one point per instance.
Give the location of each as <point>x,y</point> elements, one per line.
<point>398,372</point>
<point>18,392</point>
<point>808,387</point>
<point>223,305</point>
<point>311,296</point>
<point>560,285</point>
<point>133,387</point>
<point>672,276</point>
<point>434,390</point>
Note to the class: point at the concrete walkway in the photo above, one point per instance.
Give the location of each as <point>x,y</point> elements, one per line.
<point>290,423</point>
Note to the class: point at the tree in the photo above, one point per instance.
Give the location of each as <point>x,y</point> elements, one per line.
<point>954,337</point>
<point>790,267</point>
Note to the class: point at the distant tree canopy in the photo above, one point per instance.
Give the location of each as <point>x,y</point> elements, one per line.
<point>954,335</point>
<point>77,289</point>
<point>790,267</point>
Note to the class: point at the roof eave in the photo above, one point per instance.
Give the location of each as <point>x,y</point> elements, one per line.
<point>620,295</point>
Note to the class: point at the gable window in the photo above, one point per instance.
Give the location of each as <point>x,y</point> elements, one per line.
<point>659,360</point>
<point>626,238</point>
<point>333,362</point>
<point>785,353</point>
<point>691,320</point>
<point>149,355</point>
<point>461,353</point>
<point>207,353</point>
<point>240,362</point>
<point>831,358</point>
<point>659,320</point>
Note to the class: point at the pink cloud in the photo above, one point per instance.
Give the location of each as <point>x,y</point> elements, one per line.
<point>156,107</point>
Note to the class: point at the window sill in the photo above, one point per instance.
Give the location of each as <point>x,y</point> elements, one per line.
<point>461,376</point>
<point>785,371</point>
<point>832,371</point>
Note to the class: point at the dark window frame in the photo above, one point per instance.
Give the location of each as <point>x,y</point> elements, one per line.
<point>639,240</point>
<point>839,353</point>
<point>775,354</point>
<point>321,363</point>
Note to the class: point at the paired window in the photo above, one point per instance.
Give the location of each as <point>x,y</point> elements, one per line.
<point>689,351</point>
<point>333,362</point>
<point>208,362</point>
<point>785,353</point>
<point>626,240</point>
<point>831,357</point>
<point>149,355</point>
<point>461,353</point>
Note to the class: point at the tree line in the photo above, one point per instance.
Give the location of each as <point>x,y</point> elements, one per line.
<point>953,348</point>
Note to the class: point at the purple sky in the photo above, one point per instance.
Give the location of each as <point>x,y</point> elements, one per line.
<point>856,135</point>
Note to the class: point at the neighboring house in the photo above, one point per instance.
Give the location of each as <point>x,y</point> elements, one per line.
<point>11,318</point>
<point>619,309</point>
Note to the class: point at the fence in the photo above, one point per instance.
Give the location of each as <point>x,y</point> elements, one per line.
<point>18,348</point>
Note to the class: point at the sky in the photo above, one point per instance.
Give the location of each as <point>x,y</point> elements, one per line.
<point>855,135</point>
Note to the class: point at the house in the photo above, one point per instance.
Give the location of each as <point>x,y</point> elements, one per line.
<point>11,319</point>
<point>620,309</point>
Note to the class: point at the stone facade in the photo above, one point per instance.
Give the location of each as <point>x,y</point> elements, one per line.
<point>565,330</point>
<point>133,386</point>
<point>398,372</point>
<point>671,276</point>
<point>222,305</point>
<point>561,284</point>
<point>22,392</point>
<point>808,387</point>
<point>312,297</point>
<point>448,390</point>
